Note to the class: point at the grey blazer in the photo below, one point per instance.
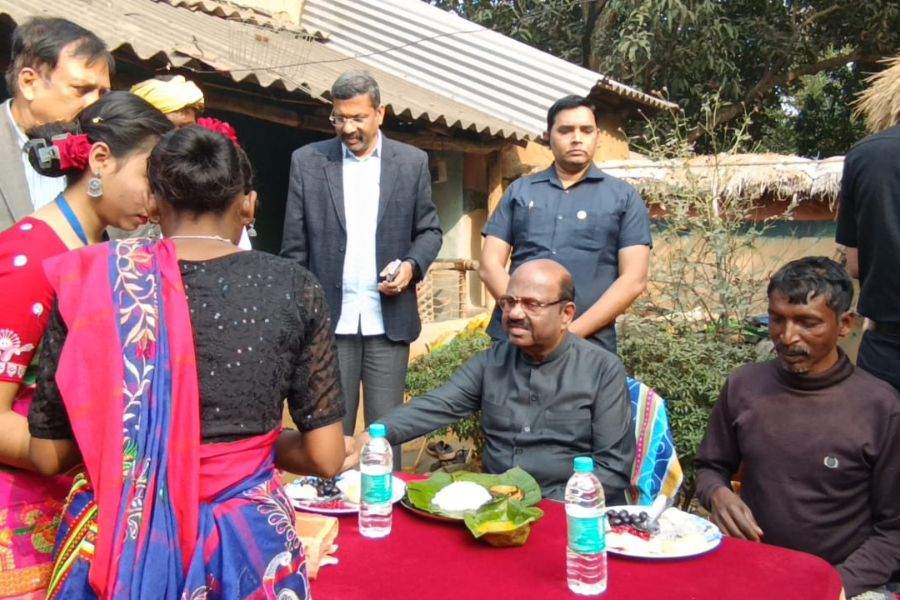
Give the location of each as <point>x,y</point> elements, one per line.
<point>15,199</point>
<point>315,231</point>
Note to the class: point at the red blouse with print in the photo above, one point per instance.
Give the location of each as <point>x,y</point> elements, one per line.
<point>26,296</point>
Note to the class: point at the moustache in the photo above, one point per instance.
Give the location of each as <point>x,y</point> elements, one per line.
<point>521,323</point>
<point>788,351</point>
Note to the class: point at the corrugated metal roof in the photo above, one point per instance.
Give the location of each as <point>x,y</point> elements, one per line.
<point>226,10</point>
<point>247,53</point>
<point>459,59</point>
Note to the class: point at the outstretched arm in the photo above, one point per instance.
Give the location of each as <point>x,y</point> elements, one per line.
<point>318,452</point>
<point>458,398</point>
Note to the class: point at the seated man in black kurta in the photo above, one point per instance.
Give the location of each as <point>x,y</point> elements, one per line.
<point>818,439</point>
<point>545,395</point>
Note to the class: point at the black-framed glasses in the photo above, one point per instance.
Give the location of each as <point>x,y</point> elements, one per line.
<point>531,305</point>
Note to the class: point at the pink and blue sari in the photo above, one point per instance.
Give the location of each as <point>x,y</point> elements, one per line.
<point>156,514</point>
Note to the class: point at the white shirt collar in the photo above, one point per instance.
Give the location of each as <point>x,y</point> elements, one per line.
<point>375,153</point>
<point>20,135</point>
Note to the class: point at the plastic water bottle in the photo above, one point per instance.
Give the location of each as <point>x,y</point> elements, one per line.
<point>586,549</point>
<point>376,464</point>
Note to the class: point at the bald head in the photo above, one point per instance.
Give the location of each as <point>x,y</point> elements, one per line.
<point>545,272</point>
<point>538,307</point>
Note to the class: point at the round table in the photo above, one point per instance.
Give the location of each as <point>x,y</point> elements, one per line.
<point>427,559</point>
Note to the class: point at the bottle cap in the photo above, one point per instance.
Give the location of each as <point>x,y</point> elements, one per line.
<point>377,430</point>
<point>584,464</point>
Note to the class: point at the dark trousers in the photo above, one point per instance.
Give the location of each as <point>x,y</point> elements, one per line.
<point>879,354</point>
<point>380,364</point>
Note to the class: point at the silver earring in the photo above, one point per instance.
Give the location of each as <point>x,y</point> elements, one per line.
<point>95,187</point>
<point>251,230</point>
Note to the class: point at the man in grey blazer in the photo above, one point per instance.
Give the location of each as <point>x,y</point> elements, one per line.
<point>56,68</point>
<point>360,217</point>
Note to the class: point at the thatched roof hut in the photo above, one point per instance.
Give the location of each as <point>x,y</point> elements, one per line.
<point>880,102</point>
<point>754,178</point>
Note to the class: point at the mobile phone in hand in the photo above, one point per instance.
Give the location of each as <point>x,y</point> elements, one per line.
<point>392,270</point>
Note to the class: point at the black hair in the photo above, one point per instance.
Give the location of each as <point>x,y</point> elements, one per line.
<point>39,41</point>
<point>567,103</point>
<point>196,170</point>
<point>567,288</point>
<point>355,83</point>
<point>803,279</point>
<point>124,122</point>
<point>246,170</point>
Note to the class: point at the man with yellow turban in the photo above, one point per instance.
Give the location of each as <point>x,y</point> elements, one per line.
<point>176,97</point>
<point>181,101</point>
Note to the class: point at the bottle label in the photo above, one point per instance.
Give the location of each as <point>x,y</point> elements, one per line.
<point>587,535</point>
<point>377,489</point>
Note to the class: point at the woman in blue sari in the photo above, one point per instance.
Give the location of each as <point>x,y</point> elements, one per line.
<point>172,360</point>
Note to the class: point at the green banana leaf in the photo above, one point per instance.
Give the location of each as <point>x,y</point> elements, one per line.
<point>510,513</point>
<point>503,523</point>
<point>420,493</point>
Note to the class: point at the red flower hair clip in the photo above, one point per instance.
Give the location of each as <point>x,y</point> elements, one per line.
<point>74,151</point>
<point>221,127</point>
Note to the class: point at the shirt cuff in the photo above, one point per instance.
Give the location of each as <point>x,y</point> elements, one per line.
<point>417,272</point>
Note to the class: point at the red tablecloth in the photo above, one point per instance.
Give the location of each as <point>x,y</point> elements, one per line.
<point>426,559</point>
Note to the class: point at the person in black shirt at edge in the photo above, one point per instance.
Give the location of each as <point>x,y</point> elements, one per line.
<point>869,227</point>
<point>545,394</point>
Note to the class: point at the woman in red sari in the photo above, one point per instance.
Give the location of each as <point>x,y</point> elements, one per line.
<point>172,360</point>
<point>108,144</point>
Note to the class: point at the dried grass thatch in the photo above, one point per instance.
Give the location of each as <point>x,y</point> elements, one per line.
<point>744,177</point>
<point>880,102</point>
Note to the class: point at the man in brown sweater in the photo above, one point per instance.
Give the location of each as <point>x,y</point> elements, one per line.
<point>817,440</point>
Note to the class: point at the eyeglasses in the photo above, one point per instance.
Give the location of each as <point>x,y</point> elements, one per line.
<point>529,305</point>
<point>338,121</point>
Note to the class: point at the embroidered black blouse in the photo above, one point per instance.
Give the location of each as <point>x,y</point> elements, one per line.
<point>262,334</point>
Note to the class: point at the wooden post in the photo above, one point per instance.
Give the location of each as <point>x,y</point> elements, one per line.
<point>494,182</point>
<point>495,192</point>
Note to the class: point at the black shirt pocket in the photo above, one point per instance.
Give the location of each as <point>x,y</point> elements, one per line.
<point>532,223</point>
<point>588,231</point>
<point>572,425</point>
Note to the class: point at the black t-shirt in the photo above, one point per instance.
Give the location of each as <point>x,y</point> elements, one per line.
<point>869,220</point>
<point>262,334</point>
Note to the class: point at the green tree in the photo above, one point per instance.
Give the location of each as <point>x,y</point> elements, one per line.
<point>752,53</point>
<point>554,26</point>
<point>818,120</point>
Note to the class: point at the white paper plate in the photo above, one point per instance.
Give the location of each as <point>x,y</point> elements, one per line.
<point>681,535</point>
<point>339,506</point>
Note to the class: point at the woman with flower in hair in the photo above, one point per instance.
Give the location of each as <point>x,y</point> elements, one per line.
<point>103,155</point>
<point>180,433</point>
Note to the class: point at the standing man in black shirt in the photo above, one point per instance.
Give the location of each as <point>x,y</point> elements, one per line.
<point>573,213</point>
<point>869,226</point>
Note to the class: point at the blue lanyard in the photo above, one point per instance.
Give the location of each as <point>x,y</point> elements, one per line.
<point>71,218</point>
